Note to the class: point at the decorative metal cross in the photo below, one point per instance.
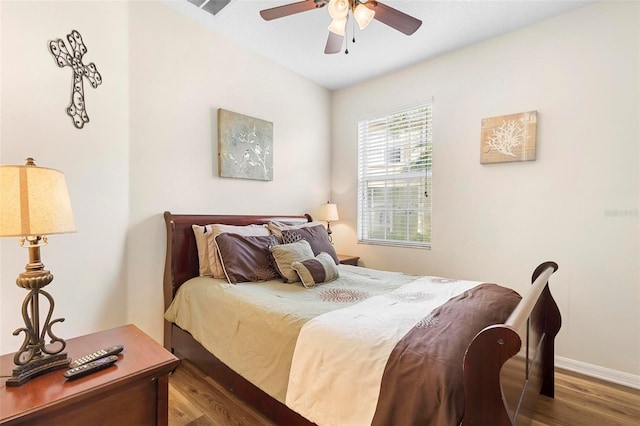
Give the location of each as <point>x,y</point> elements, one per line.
<point>76,109</point>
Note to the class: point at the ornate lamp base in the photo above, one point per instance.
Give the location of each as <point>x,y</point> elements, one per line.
<point>37,366</point>
<point>34,357</point>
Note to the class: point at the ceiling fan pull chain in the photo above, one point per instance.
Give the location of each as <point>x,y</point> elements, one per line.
<point>346,39</point>
<point>353,28</point>
<point>346,44</point>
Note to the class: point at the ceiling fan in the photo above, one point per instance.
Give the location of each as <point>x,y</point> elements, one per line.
<point>363,12</point>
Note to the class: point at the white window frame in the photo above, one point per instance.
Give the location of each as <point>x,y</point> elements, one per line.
<point>394,198</point>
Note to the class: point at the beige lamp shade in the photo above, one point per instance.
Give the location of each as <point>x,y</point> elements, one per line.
<point>328,212</point>
<point>34,201</point>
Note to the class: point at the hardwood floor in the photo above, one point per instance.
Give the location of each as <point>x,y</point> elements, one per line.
<point>582,400</point>
<point>195,399</point>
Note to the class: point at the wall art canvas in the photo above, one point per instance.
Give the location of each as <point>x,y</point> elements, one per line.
<point>509,138</point>
<point>245,146</point>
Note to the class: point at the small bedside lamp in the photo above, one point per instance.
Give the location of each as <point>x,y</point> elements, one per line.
<point>329,213</point>
<point>34,203</point>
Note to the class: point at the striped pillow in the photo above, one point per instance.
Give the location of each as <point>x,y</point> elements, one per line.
<point>320,269</point>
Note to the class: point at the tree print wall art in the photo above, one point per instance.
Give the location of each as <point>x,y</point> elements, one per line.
<point>509,138</point>
<point>245,146</point>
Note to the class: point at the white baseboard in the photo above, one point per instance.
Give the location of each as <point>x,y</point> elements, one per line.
<point>619,377</point>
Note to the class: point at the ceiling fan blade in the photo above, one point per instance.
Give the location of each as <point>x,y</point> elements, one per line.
<point>290,9</point>
<point>334,43</point>
<point>394,18</point>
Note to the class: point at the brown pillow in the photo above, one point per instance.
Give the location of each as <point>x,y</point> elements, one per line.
<point>217,229</point>
<point>317,237</point>
<point>246,258</point>
<point>276,228</point>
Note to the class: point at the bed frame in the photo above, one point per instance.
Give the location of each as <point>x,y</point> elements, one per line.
<point>506,366</point>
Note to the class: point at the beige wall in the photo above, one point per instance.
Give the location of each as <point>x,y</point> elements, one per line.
<point>88,266</point>
<point>181,73</point>
<point>497,222</point>
<point>150,147</point>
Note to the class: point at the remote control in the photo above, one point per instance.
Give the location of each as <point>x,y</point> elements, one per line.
<point>90,367</point>
<point>113,350</point>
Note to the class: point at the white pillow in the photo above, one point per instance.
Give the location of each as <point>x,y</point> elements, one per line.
<point>201,244</point>
<point>208,259</point>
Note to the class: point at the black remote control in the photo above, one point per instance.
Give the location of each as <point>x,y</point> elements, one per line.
<point>90,367</point>
<point>113,350</point>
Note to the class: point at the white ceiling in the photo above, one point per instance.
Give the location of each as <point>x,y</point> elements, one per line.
<point>297,41</point>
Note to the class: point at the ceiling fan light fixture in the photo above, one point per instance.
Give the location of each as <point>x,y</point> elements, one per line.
<point>338,9</point>
<point>338,26</point>
<point>363,12</point>
<point>363,15</point>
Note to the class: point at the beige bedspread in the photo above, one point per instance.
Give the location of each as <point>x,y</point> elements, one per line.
<point>346,350</point>
<point>253,327</point>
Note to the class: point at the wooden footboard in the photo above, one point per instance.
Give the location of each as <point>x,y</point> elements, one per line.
<point>506,366</point>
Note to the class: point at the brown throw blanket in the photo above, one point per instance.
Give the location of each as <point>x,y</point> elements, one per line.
<point>423,380</point>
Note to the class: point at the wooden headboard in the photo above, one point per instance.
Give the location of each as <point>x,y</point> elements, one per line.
<point>181,262</point>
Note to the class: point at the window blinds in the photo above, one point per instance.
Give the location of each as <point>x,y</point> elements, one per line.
<point>394,178</point>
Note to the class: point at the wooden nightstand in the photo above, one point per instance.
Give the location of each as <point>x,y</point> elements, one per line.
<point>346,259</point>
<point>134,391</point>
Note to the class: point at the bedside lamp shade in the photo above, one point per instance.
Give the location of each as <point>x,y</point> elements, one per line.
<point>328,212</point>
<point>33,201</point>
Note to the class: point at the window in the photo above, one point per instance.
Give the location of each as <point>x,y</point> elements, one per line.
<point>394,178</point>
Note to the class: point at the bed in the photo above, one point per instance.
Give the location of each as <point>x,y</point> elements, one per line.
<point>503,366</point>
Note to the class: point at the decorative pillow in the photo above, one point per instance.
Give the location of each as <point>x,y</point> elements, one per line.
<point>320,269</point>
<point>317,237</point>
<point>276,228</point>
<point>291,237</point>
<point>246,258</point>
<point>216,229</point>
<point>285,254</point>
<point>201,244</point>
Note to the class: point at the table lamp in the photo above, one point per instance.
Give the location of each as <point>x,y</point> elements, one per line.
<point>329,213</point>
<point>34,203</point>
